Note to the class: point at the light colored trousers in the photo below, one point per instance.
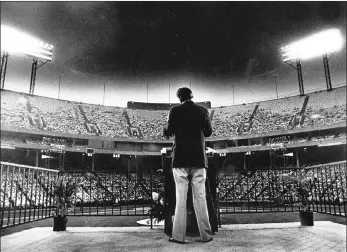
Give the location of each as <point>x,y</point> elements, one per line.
<point>199,201</point>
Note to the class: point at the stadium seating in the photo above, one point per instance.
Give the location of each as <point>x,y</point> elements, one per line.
<point>110,120</point>
<point>323,108</point>
<point>150,123</point>
<point>59,116</point>
<point>227,119</point>
<point>14,110</point>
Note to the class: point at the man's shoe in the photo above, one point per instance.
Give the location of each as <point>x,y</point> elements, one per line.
<point>208,240</point>
<point>176,241</point>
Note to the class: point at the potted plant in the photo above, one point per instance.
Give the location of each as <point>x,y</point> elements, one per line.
<point>300,184</point>
<point>63,193</point>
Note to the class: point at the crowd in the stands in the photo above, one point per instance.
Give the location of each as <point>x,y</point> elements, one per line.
<point>40,113</point>
<point>109,121</point>
<point>150,125</point>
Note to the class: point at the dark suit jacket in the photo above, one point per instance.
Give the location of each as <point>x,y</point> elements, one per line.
<point>189,123</point>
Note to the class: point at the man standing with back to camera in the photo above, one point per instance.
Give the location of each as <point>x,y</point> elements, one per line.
<point>189,123</point>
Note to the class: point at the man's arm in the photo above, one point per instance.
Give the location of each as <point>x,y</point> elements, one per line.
<point>170,128</point>
<point>207,130</point>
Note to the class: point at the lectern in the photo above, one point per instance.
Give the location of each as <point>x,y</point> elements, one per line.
<point>170,196</point>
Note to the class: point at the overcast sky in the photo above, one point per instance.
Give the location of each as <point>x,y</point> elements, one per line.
<point>216,48</point>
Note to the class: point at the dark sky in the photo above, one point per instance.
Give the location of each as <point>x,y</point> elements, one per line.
<point>234,39</point>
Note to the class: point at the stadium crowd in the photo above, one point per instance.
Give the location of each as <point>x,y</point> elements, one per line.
<point>58,116</point>
<point>40,113</point>
<point>150,123</point>
<point>109,120</point>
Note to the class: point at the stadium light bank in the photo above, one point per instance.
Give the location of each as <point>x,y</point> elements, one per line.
<point>14,42</point>
<point>323,43</point>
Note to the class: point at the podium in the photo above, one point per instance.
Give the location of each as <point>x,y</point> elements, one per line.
<point>170,196</point>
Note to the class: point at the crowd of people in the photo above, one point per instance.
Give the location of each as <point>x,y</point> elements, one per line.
<point>285,140</point>
<point>150,123</point>
<point>110,120</point>
<point>325,116</point>
<point>59,116</point>
<point>14,110</point>
<point>226,120</point>
<point>69,117</point>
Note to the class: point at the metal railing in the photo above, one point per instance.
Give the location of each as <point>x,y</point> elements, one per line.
<point>330,193</point>
<point>259,190</point>
<point>25,193</point>
<point>116,194</point>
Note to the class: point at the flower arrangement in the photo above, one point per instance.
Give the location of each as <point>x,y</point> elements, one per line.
<point>300,185</point>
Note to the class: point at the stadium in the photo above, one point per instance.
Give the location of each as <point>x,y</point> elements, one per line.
<point>119,159</point>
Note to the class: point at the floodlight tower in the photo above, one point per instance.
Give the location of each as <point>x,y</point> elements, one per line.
<point>35,65</point>
<point>320,44</point>
<point>327,71</point>
<point>4,58</point>
<point>17,42</point>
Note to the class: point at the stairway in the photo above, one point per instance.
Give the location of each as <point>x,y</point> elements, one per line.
<point>83,113</point>
<point>128,121</point>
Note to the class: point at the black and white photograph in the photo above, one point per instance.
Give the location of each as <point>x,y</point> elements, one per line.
<point>173,126</point>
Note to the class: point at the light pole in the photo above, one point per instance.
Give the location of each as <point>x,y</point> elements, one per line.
<point>15,41</point>
<point>59,87</point>
<point>300,80</point>
<point>317,45</point>
<point>169,92</point>
<point>276,87</point>
<point>233,94</point>
<point>4,59</point>
<point>103,99</point>
<point>327,72</point>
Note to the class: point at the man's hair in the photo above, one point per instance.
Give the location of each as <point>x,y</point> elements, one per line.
<point>184,94</point>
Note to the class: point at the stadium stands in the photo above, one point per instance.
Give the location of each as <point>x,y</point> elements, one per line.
<point>34,112</point>
<point>14,110</point>
<point>326,107</point>
<point>227,119</point>
<point>109,120</point>
<point>59,116</point>
<point>150,123</point>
